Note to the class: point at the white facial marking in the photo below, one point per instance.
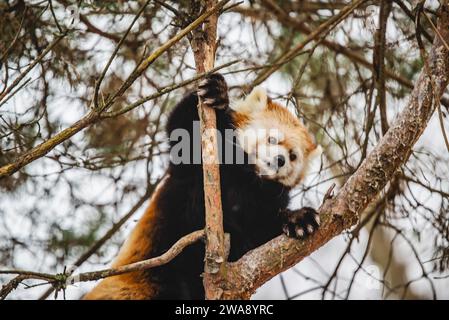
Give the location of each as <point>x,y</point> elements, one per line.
<point>270,156</point>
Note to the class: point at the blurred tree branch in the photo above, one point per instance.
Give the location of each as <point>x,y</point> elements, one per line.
<point>341,212</point>
<point>22,75</point>
<point>108,235</point>
<point>61,280</point>
<point>318,33</point>
<point>95,114</point>
<point>284,18</point>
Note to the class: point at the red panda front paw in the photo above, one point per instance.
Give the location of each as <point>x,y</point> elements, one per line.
<point>300,223</point>
<point>213,91</point>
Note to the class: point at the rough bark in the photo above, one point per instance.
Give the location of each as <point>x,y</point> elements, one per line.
<point>342,212</point>
<point>203,44</point>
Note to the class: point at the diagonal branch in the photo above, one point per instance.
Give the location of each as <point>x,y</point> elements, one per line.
<point>321,31</point>
<point>165,258</point>
<point>287,20</point>
<point>114,53</point>
<point>96,114</point>
<point>30,67</point>
<point>108,235</point>
<point>60,281</point>
<point>342,212</point>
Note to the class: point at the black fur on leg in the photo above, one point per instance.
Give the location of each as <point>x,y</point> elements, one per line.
<point>300,223</point>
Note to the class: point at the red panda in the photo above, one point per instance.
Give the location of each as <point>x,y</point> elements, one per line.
<point>276,150</point>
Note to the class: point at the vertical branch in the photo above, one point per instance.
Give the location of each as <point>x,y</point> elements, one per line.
<point>379,64</point>
<point>203,42</point>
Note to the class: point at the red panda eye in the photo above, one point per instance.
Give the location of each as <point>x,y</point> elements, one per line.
<point>272,140</point>
<point>293,157</point>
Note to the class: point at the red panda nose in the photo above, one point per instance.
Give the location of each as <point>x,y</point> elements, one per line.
<point>279,160</point>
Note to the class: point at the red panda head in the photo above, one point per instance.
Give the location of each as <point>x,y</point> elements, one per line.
<point>278,144</point>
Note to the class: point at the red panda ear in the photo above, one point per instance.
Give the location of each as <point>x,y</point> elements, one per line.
<point>256,101</point>
<point>315,153</point>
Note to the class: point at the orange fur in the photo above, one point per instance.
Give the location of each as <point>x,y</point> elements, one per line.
<point>239,119</point>
<point>257,106</point>
<point>297,134</point>
<point>131,286</point>
<point>276,116</point>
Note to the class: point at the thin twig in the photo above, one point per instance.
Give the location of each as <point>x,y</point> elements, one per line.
<point>169,255</point>
<point>33,64</point>
<point>63,279</point>
<point>159,51</point>
<point>11,285</point>
<point>323,29</point>
<point>100,242</point>
<point>114,53</point>
<point>95,115</point>
<point>54,16</point>
<point>165,91</point>
<point>16,37</point>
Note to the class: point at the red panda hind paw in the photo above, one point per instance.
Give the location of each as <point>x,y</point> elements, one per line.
<point>300,223</point>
